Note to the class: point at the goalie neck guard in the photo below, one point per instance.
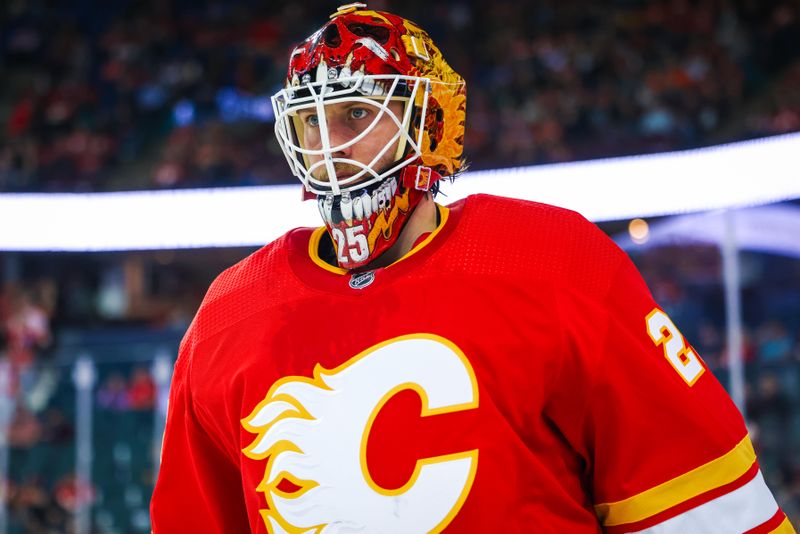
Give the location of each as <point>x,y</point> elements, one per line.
<point>385,81</point>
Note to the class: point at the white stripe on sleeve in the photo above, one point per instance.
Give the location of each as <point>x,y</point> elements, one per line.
<point>738,511</point>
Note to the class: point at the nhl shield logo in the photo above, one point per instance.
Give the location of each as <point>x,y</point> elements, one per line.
<point>362,280</point>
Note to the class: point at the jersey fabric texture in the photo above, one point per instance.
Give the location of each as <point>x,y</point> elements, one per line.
<point>473,386</point>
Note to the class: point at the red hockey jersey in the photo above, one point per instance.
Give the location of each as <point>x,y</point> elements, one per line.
<point>512,373</point>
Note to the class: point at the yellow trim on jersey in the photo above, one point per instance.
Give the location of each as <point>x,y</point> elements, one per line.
<point>716,473</point>
<point>444,213</point>
<point>784,528</point>
<point>316,236</point>
<point>313,252</point>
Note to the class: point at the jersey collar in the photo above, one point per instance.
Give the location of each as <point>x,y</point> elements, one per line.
<point>317,235</point>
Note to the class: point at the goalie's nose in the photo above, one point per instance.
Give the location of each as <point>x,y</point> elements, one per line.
<point>339,135</point>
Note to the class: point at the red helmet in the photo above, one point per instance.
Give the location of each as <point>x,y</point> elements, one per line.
<point>395,76</point>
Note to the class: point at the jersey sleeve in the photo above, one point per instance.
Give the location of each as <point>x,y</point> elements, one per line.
<point>199,486</point>
<point>665,448</point>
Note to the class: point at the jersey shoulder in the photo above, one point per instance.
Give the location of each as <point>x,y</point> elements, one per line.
<point>543,222</point>
<point>535,239</point>
<point>261,280</point>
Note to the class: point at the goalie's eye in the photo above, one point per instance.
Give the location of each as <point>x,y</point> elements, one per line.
<point>311,120</point>
<point>358,113</point>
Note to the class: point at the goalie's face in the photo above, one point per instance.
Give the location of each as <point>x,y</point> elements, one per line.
<point>344,122</point>
<point>351,131</point>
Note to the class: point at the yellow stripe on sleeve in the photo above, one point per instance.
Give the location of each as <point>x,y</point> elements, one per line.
<point>716,473</point>
<point>784,528</point>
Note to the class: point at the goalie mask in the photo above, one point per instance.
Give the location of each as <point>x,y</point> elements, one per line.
<point>370,119</point>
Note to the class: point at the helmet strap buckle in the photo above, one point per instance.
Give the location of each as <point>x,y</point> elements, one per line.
<point>419,177</point>
<point>423,179</point>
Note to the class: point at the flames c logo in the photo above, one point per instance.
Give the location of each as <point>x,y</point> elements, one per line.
<point>313,433</point>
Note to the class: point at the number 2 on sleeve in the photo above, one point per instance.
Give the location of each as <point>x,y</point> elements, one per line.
<point>682,358</point>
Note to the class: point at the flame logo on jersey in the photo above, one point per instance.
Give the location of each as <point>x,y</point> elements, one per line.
<point>313,433</point>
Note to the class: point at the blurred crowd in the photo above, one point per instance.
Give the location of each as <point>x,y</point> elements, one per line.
<point>33,430</point>
<point>168,94</point>
<point>779,110</point>
<point>37,423</point>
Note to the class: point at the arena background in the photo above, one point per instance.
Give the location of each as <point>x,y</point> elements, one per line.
<point>137,162</point>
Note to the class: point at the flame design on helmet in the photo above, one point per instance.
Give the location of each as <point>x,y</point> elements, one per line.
<point>372,59</point>
<point>380,43</point>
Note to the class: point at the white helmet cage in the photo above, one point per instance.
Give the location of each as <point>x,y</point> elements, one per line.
<point>372,90</point>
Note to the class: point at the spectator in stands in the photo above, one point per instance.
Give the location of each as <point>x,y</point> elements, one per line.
<point>113,393</point>
<point>35,508</point>
<point>769,410</point>
<point>770,400</point>
<point>774,342</point>
<point>142,390</point>
<point>57,430</point>
<point>749,352</point>
<point>710,344</point>
<point>27,328</point>
<point>25,430</point>
<point>72,494</point>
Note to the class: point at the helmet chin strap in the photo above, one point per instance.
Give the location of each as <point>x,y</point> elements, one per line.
<point>365,223</point>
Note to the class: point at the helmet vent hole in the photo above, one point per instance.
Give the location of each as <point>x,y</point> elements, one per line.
<point>332,37</point>
<point>378,33</point>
